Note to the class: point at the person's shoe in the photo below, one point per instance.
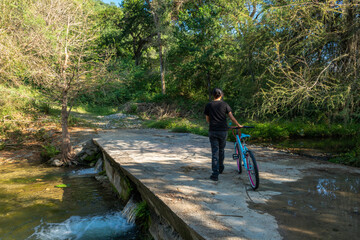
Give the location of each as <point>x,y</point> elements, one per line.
<point>221,170</point>
<point>214,178</point>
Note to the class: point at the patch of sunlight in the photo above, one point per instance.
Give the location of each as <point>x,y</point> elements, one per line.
<point>276,178</point>
<point>300,230</point>
<point>79,109</point>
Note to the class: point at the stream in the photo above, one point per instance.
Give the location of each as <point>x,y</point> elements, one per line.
<point>39,202</point>
<point>321,148</point>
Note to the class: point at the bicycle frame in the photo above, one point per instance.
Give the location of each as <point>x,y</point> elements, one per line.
<point>244,155</point>
<point>242,147</point>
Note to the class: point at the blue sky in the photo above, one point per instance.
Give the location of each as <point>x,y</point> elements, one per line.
<point>114,1</point>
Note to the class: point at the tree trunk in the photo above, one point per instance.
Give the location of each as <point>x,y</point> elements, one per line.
<point>209,85</point>
<point>162,67</point>
<point>157,25</point>
<point>66,149</point>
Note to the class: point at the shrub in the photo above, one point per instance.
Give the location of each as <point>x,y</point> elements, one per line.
<point>49,151</point>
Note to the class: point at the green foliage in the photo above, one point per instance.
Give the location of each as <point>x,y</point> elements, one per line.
<point>142,213</point>
<point>93,158</point>
<point>76,121</point>
<point>43,107</point>
<point>269,131</point>
<point>179,125</point>
<point>128,29</point>
<point>299,129</point>
<point>352,157</point>
<point>49,151</point>
<point>133,108</point>
<point>18,110</point>
<point>17,101</point>
<point>96,109</point>
<point>2,145</point>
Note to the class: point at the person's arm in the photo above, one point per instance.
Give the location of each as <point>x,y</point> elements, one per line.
<point>233,119</point>
<point>207,118</point>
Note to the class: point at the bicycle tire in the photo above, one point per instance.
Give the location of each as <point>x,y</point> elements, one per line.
<point>238,159</point>
<point>253,171</point>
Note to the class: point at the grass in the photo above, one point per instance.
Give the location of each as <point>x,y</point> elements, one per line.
<point>95,110</point>
<point>297,129</point>
<point>20,108</point>
<point>182,125</point>
<point>142,213</point>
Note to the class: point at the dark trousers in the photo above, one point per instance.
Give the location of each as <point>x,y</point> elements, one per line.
<point>218,143</point>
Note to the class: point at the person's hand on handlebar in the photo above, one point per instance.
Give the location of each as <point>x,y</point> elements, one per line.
<point>231,116</point>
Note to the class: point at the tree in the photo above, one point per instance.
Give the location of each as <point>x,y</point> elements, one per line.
<point>137,27</point>
<point>66,55</point>
<point>202,37</point>
<point>315,60</point>
<point>156,6</point>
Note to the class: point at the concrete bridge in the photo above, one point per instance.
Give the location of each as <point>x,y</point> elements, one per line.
<point>171,173</point>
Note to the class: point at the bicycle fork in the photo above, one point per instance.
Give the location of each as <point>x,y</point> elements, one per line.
<point>241,154</point>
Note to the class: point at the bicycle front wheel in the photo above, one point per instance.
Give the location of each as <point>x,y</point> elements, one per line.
<point>238,157</point>
<point>252,170</point>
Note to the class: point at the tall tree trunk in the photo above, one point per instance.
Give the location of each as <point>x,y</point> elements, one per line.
<point>162,67</point>
<point>157,25</point>
<point>209,84</point>
<point>66,149</point>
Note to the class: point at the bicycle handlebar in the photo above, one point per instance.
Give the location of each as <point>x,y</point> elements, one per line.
<point>241,127</point>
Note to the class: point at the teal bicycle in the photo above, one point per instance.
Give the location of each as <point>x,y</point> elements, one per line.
<point>244,157</point>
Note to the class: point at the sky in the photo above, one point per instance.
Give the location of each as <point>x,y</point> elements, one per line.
<point>114,1</point>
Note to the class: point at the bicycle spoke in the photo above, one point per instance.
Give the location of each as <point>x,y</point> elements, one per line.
<point>252,170</point>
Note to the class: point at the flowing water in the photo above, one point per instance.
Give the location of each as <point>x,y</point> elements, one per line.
<point>313,147</point>
<point>38,202</point>
<point>323,205</point>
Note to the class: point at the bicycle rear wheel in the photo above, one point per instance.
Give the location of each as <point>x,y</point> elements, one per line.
<point>238,158</point>
<point>252,170</point>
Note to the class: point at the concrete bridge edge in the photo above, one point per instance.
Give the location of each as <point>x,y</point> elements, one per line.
<point>165,224</point>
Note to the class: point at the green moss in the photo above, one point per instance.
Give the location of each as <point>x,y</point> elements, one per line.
<point>33,179</point>
<point>142,213</point>
<point>22,180</point>
<point>127,187</point>
<point>114,189</point>
<point>92,158</point>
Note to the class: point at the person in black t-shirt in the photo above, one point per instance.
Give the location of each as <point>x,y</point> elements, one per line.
<point>215,113</point>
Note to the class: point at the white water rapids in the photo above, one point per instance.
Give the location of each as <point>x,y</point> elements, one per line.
<point>114,225</point>
<point>96,227</point>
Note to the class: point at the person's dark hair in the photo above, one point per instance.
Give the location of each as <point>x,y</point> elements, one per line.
<point>217,93</point>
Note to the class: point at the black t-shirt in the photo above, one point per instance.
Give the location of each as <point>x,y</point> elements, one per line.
<point>217,110</point>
